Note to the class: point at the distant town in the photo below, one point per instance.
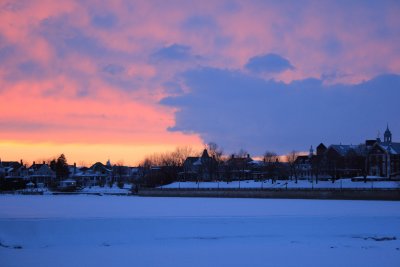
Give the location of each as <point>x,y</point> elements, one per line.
<point>374,159</point>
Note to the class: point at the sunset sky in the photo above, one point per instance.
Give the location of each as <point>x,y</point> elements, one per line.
<point>117,80</point>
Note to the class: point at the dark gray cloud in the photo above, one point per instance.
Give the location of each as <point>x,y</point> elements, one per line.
<point>66,39</point>
<point>106,21</point>
<point>268,63</point>
<point>172,88</point>
<point>30,68</point>
<point>333,75</point>
<point>115,75</point>
<point>113,69</point>
<point>175,52</point>
<point>14,6</point>
<point>25,70</point>
<point>205,26</point>
<point>332,46</point>
<point>6,52</point>
<point>199,22</point>
<point>21,126</point>
<point>240,111</point>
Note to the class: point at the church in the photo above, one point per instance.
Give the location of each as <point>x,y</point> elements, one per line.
<point>384,157</point>
<point>374,158</point>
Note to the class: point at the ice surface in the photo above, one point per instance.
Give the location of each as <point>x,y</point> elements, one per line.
<point>134,231</point>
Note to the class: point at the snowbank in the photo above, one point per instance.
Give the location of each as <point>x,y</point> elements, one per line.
<point>342,183</point>
<point>106,189</point>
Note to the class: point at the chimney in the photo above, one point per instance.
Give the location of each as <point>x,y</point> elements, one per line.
<point>20,162</point>
<point>248,156</point>
<point>44,162</point>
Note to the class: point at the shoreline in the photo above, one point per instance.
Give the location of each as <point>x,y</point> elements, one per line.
<point>281,193</point>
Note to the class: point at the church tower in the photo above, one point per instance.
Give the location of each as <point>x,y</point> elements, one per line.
<point>311,153</point>
<point>387,135</point>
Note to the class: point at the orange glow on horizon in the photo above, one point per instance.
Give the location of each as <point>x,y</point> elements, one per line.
<point>85,154</point>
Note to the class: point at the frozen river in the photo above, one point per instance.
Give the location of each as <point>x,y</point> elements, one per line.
<point>134,231</point>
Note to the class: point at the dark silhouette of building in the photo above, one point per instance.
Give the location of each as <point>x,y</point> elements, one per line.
<point>384,157</point>
<point>203,168</point>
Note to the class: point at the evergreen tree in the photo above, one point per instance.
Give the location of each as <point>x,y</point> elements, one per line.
<point>61,167</point>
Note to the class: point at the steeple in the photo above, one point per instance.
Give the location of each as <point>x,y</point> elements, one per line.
<point>311,152</point>
<point>387,135</point>
<point>205,154</point>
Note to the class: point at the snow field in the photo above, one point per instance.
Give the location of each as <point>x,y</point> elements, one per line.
<point>134,231</point>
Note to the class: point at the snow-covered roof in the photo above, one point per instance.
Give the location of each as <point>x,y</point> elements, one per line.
<point>344,149</point>
<point>68,181</point>
<point>197,162</point>
<point>392,148</point>
<point>256,162</point>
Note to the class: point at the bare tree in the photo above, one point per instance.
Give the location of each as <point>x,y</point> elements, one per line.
<point>181,153</point>
<point>174,158</point>
<point>270,161</point>
<point>215,151</point>
<point>216,154</point>
<point>270,157</point>
<point>242,153</point>
<point>291,160</point>
<point>316,162</point>
<point>169,163</point>
<point>119,171</point>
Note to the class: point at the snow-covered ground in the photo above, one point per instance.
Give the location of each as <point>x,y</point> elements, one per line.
<point>342,183</point>
<point>114,190</point>
<point>107,190</point>
<point>84,230</point>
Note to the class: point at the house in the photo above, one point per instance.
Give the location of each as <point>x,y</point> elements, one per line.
<point>87,177</point>
<point>97,174</point>
<point>321,149</point>
<point>238,168</point>
<point>68,185</point>
<point>12,174</point>
<point>332,162</point>
<point>345,160</point>
<point>12,169</point>
<point>258,169</point>
<point>72,170</point>
<point>203,168</point>
<point>41,173</point>
<point>18,172</point>
<point>384,157</point>
<point>304,164</point>
<point>122,174</point>
<point>101,168</point>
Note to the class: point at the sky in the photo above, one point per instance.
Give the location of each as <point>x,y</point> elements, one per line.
<point>119,80</point>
